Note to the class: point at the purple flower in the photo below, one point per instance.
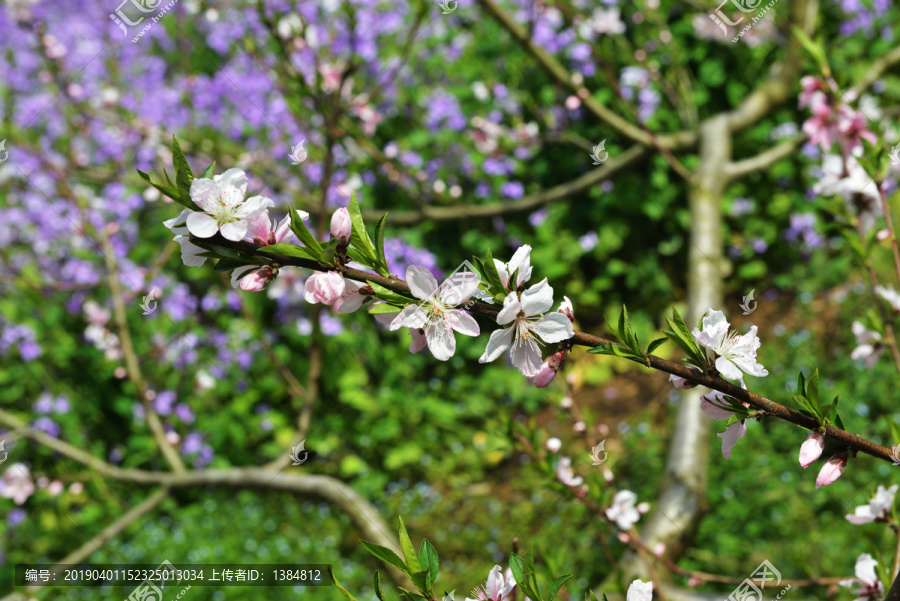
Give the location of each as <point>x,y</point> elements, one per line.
<point>401,255</point>
<point>16,517</point>
<point>759,245</point>
<point>512,189</point>
<point>163,402</point>
<point>538,217</point>
<point>45,424</point>
<point>588,241</point>
<point>803,230</point>
<point>192,443</point>
<point>184,413</point>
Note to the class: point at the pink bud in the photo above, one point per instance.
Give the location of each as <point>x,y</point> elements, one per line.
<point>883,235</point>
<point>341,224</point>
<point>120,373</point>
<point>659,549</point>
<point>566,309</point>
<point>565,403</point>
<point>579,426</point>
<point>323,288</point>
<point>553,444</point>
<point>694,581</point>
<point>582,491</point>
<point>811,448</point>
<point>643,507</point>
<point>257,280</point>
<point>832,470</point>
<point>545,376</point>
<point>623,537</point>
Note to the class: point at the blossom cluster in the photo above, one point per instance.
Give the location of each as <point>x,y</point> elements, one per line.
<point>218,206</point>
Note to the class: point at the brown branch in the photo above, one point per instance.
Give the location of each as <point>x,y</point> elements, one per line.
<point>364,515</point>
<point>671,141</point>
<point>132,365</point>
<point>709,380</point>
<point>739,169</point>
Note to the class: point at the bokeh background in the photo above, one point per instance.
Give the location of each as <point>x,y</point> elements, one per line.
<point>424,115</point>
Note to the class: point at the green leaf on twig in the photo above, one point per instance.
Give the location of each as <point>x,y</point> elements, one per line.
<point>303,234</point>
<point>288,250</point>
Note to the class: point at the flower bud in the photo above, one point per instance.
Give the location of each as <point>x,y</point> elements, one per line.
<point>256,281</point>
<point>553,444</point>
<point>549,368</point>
<point>811,448</point>
<point>832,470</point>
<point>323,288</point>
<point>566,309</point>
<point>643,507</point>
<point>566,402</point>
<point>659,549</point>
<point>579,426</point>
<point>545,376</point>
<point>341,224</point>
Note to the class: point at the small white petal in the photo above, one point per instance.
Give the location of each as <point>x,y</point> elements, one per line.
<point>234,177</point>
<point>441,341</point>
<point>202,225</point>
<point>411,317</point>
<point>553,327</point>
<point>463,323</point>
<point>421,282</point>
<point>511,308</point>
<point>234,231</point>
<point>497,344</point>
<point>537,299</point>
<point>527,357</point>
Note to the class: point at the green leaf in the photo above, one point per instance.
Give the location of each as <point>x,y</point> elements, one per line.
<point>517,566</point>
<point>491,273</point>
<point>183,174</point>
<point>656,344</point>
<point>379,245</point>
<point>209,172</point>
<point>229,265</point>
<point>428,558</point>
<point>812,388</point>
<point>420,579</point>
<point>383,309</point>
<point>328,252</point>
<point>556,586</point>
<point>303,234</point>
<point>385,554</point>
<point>408,595</point>
<point>338,585</point>
<point>287,249</point>
<point>378,587</point>
<point>389,295</point>
<point>359,237</point>
<point>167,191</point>
<point>409,552</point>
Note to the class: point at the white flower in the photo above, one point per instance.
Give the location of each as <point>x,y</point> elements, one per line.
<point>565,473</point>
<point>602,21</point>
<point>890,295</point>
<point>495,589</point>
<point>521,261</point>
<point>878,507</point>
<point>868,585</point>
<point>16,483</point>
<point>737,353</point>
<point>523,311</point>
<point>640,591</point>
<point>856,188</point>
<point>623,511</point>
<point>436,314</point>
<point>190,253</point>
<point>869,345</point>
<point>224,208</point>
<point>711,404</point>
